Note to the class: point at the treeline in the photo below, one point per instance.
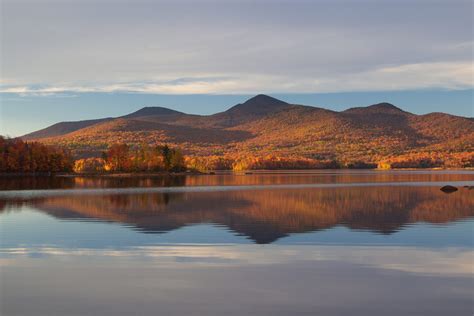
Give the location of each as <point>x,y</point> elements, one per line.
<point>269,162</point>
<point>17,156</point>
<point>274,163</point>
<point>144,158</point>
<point>429,160</point>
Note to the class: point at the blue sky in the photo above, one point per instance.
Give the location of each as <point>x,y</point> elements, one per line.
<point>72,59</point>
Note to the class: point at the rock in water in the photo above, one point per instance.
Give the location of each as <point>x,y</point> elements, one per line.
<point>449,189</point>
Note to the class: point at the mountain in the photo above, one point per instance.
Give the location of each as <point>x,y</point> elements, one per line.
<point>62,128</point>
<point>264,126</point>
<point>256,107</point>
<point>259,105</point>
<point>251,110</point>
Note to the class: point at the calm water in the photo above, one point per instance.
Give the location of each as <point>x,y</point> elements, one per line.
<point>309,243</point>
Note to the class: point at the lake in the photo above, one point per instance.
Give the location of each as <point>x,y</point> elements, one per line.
<point>266,243</point>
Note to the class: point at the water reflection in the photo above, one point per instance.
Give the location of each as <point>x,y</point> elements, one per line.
<point>264,216</point>
<point>91,246</point>
<point>257,178</point>
<point>69,182</point>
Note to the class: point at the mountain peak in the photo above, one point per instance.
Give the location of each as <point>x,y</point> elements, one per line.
<point>151,110</point>
<point>260,104</point>
<point>384,107</point>
<point>263,99</point>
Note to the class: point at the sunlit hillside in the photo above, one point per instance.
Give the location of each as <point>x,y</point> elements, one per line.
<point>265,126</point>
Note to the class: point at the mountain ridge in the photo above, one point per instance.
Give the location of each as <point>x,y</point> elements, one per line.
<point>248,106</point>
<point>264,126</point>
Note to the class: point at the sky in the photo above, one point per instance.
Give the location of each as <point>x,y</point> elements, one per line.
<point>78,59</point>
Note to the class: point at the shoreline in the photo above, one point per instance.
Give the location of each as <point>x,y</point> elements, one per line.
<point>214,172</point>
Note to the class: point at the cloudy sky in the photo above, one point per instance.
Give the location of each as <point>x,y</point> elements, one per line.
<point>99,50</point>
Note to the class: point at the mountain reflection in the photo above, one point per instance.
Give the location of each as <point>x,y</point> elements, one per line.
<point>267,215</point>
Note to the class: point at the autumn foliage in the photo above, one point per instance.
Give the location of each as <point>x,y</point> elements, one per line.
<point>273,162</point>
<point>17,156</point>
<point>203,164</point>
<point>123,158</point>
<point>23,157</point>
<point>89,165</point>
<point>266,133</point>
<point>429,160</point>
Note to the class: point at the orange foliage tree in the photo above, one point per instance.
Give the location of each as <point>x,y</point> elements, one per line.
<point>19,156</point>
<point>120,157</point>
<point>89,165</point>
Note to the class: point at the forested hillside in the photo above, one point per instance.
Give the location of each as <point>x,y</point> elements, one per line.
<point>266,129</point>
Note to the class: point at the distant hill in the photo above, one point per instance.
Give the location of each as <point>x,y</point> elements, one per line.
<point>152,111</point>
<point>267,126</point>
<point>62,128</point>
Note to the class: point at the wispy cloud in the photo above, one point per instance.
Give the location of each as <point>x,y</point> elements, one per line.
<point>449,75</point>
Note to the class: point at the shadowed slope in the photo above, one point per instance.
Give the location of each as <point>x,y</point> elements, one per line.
<point>63,128</point>
<point>152,111</point>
